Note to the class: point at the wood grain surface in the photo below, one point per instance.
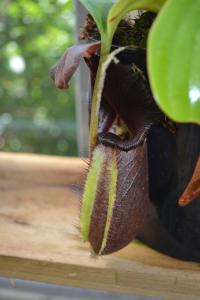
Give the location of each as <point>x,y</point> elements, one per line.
<point>40,240</point>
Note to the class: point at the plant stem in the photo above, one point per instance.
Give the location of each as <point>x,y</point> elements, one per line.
<point>96,100</point>
<point>96,97</point>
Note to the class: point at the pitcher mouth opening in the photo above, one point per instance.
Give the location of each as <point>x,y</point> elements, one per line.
<point>127,107</point>
<point>118,136</point>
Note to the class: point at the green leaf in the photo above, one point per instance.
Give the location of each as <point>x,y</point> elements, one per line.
<point>173,60</point>
<point>121,7</point>
<point>99,10</point>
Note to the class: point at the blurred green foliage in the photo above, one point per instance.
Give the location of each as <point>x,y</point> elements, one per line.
<point>34,115</point>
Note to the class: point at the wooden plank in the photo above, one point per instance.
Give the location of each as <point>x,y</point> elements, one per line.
<point>40,240</point>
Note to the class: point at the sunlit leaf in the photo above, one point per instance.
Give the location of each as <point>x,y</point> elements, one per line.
<point>173,60</point>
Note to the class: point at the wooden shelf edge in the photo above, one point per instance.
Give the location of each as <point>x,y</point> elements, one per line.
<point>39,240</point>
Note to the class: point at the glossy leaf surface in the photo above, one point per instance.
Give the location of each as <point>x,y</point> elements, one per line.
<point>173,60</point>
